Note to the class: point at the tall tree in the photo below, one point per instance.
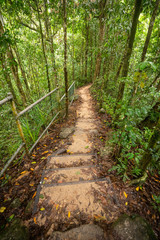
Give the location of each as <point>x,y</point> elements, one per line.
<point>65,53</point>
<point>150,28</point>
<point>43,45</point>
<point>137,11</point>
<point>102,10</point>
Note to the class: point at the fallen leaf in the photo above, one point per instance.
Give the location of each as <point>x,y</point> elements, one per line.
<point>35,220</point>
<point>31,169</point>
<point>17,184</point>
<point>126,203</point>
<point>99,217</point>
<point>60,181</point>
<point>33,162</point>
<point>125,194</point>
<point>137,189</point>
<point>45,152</point>
<point>42,209</point>
<point>31,184</point>
<point>2,209</point>
<point>33,155</point>
<point>57,206</point>
<point>34,195</point>
<point>86,147</point>
<point>23,172</point>
<point>69,214</point>
<point>45,178</point>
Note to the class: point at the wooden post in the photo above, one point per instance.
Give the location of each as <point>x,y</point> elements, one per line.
<point>14,110</point>
<point>58,98</point>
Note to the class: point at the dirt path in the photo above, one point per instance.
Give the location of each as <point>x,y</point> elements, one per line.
<point>72,190</point>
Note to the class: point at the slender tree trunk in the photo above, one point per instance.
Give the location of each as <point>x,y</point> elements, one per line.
<point>13,66</point>
<point>86,50</point>
<point>65,54</point>
<point>43,46</point>
<point>51,44</point>
<point>91,56</point>
<point>73,69</point>
<point>7,77</point>
<point>101,37</point>
<point>82,60</point>
<point>137,11</point>
<point>150,30</point>
<point>21,67</point>
<point>147,157</point>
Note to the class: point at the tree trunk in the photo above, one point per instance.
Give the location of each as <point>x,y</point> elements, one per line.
<point>65,54</point>
<point>101,37</point>
<point>147,157</point>
<point>21,66</point>
<point>150,30</point>
<point>43,46</point>
<point>50,38</point>
<point>125,68</point>
<point>7,77</point>
<point>13,66</point>
<point>91,56</point>
<point>86,50</point>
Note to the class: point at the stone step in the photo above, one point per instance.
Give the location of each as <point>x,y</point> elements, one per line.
<point>62,161</point>
<point>65,175</point>
<point>85,199</point>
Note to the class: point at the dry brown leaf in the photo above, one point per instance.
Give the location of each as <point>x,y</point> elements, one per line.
<point>34,195</point>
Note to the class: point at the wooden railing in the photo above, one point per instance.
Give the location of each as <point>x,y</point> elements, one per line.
<point>17,116</point>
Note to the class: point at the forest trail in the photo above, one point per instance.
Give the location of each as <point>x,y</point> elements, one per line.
<point>71,189</point>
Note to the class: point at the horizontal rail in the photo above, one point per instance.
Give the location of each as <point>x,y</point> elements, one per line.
<point>38,101</point>
<point>71,86</point>
<point>7,99</point>
<point>43,132</point>
<point>11,159</point>
<point>68,91</point>
<point>62,97</point>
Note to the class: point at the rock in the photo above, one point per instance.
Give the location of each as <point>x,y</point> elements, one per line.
<point>132,228</point>
<point>106,151</point>
<point>65,132</point>
<point>102,110</point>
<point>60,151</point>
<point>94,132</point>
<point>29,207</point>
<point>84,232</point>
<point>15,232</point>
<point>16,203</point>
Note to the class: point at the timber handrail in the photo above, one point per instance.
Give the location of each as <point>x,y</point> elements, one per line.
<point>38,101</point>
<point>17,115</point>
<point>7,99</point>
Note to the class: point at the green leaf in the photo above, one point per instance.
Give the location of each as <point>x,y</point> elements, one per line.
<point>41,196</point>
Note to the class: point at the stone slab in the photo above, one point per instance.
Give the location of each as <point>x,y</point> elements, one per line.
<point>70,160</point>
